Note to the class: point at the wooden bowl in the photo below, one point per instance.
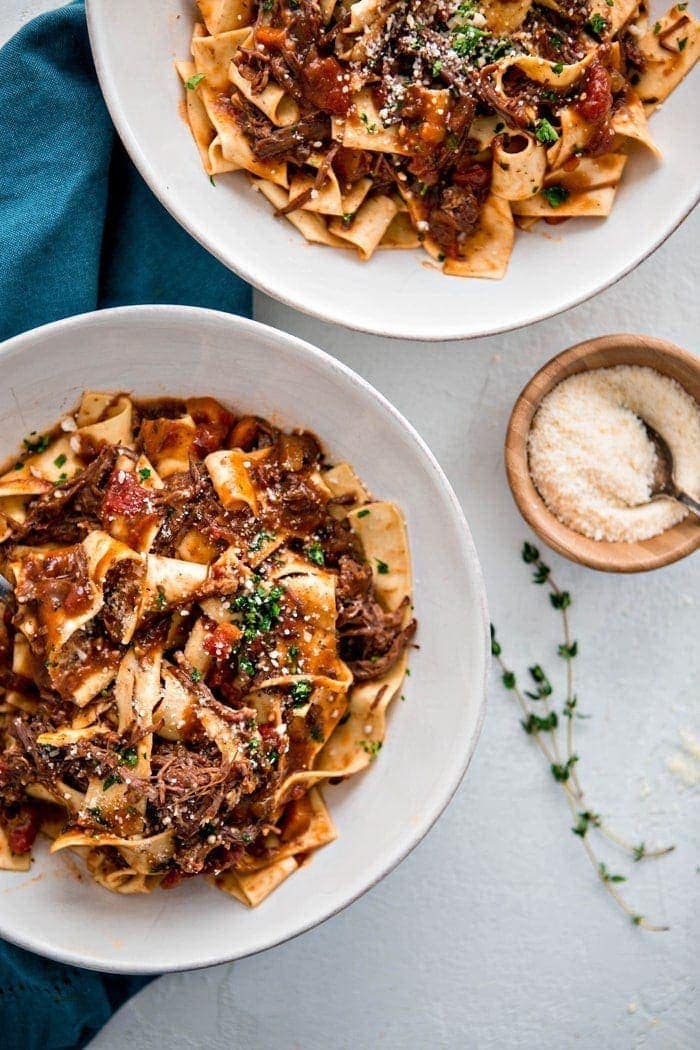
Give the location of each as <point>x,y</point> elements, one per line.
<point>605,352</point>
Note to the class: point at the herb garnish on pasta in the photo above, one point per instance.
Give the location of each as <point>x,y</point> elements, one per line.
<point>210,623</point>
<point>385,124</point>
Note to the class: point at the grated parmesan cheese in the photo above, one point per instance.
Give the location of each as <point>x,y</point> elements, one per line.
<point>592,461</point>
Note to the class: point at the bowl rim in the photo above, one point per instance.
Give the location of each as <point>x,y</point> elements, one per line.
<point>151,315</point>
<point>605,555</point>
<point>258,280</point>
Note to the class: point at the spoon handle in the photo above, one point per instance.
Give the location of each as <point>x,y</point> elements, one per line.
<point>689,502</point>
<point>6,593</point>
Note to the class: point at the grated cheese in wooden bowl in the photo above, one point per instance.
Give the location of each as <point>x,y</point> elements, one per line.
<point>591,459</point>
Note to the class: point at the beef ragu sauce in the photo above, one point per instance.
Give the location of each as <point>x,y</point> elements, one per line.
<point>428,67</point>
<point>190,788</point>
<point>60,581</point>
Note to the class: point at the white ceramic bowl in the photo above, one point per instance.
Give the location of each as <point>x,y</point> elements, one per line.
<point>396,293</point>
<point>381,814</point>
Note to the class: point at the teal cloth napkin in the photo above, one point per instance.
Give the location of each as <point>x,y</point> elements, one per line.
<point>79,230</point>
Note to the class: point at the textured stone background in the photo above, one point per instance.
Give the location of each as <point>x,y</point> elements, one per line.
<point>495,932</point>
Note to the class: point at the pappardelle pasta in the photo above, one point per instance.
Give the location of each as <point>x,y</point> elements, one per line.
<point>209,623</point>
<point>386,124</point>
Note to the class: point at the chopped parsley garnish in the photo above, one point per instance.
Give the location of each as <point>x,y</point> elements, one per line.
<point>96,814</point>
<point>292,654</point>
<point>682,43</point>
<point>260,610</point>
<point>60,460</point>
<point>545,133</point>
<point>371,128</point>
<point>657,28</point>
<point>39,444</point>
<point>144,473</point>
<point>372,747</point>
<point>261,538</point>
<point>463,13</point>
<point>555,195</point>
<point>437,66</point>
<point>112,779</point>
<point>196,674</point>
<point>129,757</point>
<point>555,42</point>
<point>467,40</point>
<point>192,83</point>
<point>558,68</point>
<point>382,567</point>
<point>18,466</point>
<point>315,554</point>
<point>160,600</point>
<point>300,693</point>
<point>363,513</point>
<point>317,734</point>
<point>246,666</point>
<point>596,24</point>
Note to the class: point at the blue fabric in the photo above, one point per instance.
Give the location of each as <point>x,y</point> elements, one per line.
<point>79,230</point>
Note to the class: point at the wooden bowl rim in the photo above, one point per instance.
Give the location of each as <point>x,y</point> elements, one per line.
<point>604,555</point>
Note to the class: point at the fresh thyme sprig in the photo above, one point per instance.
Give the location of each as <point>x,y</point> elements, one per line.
<point>542,726</point>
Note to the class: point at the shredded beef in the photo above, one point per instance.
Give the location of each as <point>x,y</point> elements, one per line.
<point>632,53</point>
<point>354,580</point>
<point>372,640</point>
<point>217,789</point>
<point>294,140</point>
<point>74,503</point>
<point>453,217</point>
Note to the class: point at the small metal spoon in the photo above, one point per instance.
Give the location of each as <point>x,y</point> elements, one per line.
<point>663,483</point>
<point>6,590</point>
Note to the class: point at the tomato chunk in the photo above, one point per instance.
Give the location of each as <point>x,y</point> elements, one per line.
<point>124,496</point>
<point>270,37</point>
<point>22,830</point>
<point>221,641</point>
<point>324,80</point>
<point>596,98</point>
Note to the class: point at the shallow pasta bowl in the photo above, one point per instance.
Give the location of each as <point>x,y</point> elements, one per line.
<point>396,293</point>
<point>380,814</point>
